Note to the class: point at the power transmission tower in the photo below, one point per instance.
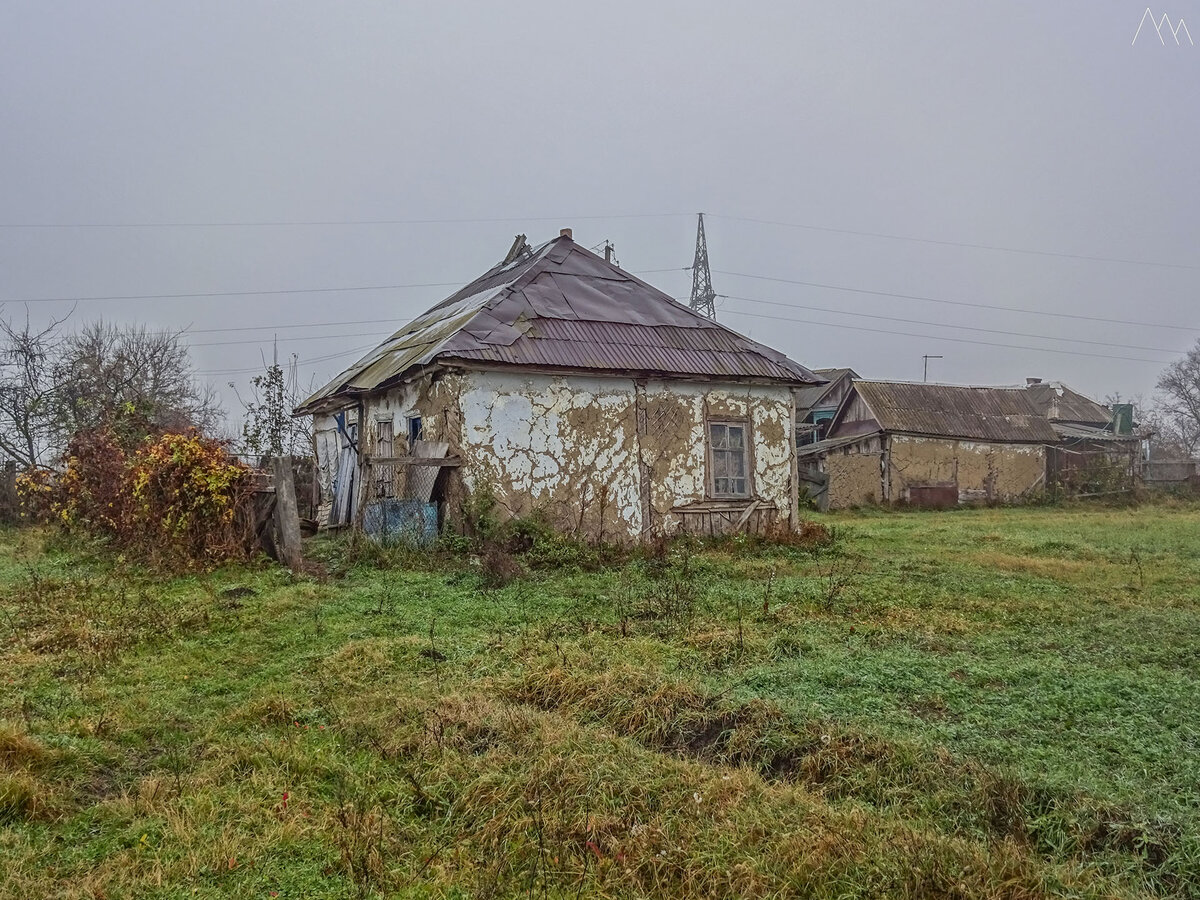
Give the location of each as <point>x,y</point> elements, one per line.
<point>703,295</point>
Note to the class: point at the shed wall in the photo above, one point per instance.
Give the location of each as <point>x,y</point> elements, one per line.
<point>982,471</point>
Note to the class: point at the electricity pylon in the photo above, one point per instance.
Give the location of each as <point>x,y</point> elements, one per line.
<point>703,296</point>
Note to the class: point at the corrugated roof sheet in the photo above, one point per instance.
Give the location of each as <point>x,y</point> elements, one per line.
<point>1002,415</point>
<point>561,306</point>
<point>1059,403</point>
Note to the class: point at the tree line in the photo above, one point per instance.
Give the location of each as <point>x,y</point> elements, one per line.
<point>132,379</point>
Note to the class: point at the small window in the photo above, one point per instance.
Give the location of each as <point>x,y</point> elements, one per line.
<point>730,469</point>
<point>414,430</point>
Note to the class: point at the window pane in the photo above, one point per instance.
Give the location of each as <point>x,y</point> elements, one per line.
<point>736,434</point>
<point>718,437</point>
<point>737,464</point>
<point>738,486</point>
<point>720,460</point>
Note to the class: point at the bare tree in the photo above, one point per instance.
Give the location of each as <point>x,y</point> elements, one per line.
<point>1178,412</point>
<point>131,377</point>
<point>28,393</point>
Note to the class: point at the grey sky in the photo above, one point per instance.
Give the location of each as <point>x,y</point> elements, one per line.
<point>1015,124</point>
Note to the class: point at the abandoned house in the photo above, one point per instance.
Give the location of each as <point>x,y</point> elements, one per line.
<point>941,445</point>
<point>817,404</point>
<point>932,445</point>
<point>560,384</point>
<point>1099,449</point>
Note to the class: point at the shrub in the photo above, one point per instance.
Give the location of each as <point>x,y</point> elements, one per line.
<point>175,495</point>
<point>35,494</point>
<point>186,488</point>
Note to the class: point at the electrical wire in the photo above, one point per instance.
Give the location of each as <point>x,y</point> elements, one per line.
<point>303,362</point>
<point>934,337</point>
<point>964,244</point>
<point>899,296</point>
<point>339,223</point>
<point>260,293</point>
<point>842,312</point>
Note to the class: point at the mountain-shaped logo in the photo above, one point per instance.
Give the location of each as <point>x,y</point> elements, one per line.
<point>1158,28</point>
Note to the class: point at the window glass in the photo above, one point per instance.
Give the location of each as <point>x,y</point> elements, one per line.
<point>727,448</point>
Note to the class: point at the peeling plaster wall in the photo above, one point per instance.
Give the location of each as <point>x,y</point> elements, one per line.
<point>566,447</point>
<point>982,471</point>
<point>395,405</point>
<point>570,446</point>
<point>674,445</point>
<point>855,478</point>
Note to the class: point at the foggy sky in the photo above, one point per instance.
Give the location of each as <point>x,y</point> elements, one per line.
<point>1016,124</point>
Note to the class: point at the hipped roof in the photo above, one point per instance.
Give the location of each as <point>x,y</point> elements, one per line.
<point>562,307</point>
<point>1000,415</point>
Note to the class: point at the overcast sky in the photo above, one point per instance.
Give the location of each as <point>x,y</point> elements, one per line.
<point>1033,126</point>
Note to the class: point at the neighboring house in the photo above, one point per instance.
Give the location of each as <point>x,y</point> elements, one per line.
<point>933,445</point>
<point>559,383</point>
<point>817,404</point>
<point>1099,449</point>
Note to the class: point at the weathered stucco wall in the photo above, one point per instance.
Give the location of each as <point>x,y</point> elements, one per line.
<point>982,471</point>
<point>572,447</point>
<point>605,457</point>
<point>855,479</point>
<point>674,444</point>
<point>564,447</point>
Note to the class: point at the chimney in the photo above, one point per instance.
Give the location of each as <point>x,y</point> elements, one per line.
<point>1030,382</point>
<point>565,232</point>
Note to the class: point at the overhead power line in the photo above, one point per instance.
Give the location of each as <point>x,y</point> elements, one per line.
<point>1047,337</point>
<point>193,295</point>
<point>966,244</point>
<point>338,222</point>
<point>935,337</point>
<point>992,306</point>
<point>303,337</point>
<point>304,362</point>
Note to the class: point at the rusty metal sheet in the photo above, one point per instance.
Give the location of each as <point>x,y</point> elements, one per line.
<point>564,307</point>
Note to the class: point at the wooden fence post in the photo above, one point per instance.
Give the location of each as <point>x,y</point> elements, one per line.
<point>287,517</point>
<point>9,501</point>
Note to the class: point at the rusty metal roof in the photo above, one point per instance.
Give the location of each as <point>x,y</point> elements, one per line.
<point>1059,403</point>
<point>561,306</point>
<point>1001,415</point>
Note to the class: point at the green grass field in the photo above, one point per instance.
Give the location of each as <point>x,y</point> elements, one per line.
<point>979,703</point>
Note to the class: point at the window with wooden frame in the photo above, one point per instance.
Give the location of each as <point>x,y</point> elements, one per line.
<point>729,458</point>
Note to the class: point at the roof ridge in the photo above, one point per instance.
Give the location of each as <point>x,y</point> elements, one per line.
<point>489,318</point>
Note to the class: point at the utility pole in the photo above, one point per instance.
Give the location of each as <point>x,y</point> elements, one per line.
<point>927,357</point>
<point>703,296</point>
